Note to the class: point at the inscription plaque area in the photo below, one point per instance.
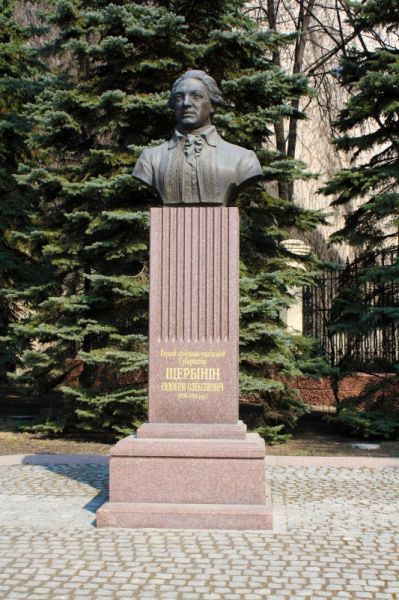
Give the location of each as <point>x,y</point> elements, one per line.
<point>193,464</point>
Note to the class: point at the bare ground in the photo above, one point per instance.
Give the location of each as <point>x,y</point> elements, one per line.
<point>312,438</point>
<point>13,441</point>
<point>316,444</point>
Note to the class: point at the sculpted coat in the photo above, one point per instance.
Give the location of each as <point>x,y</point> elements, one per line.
<point>215,176</point>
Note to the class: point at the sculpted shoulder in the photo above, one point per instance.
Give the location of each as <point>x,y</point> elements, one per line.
<point>148,163</point>
<point>247,165</point>
<point>239,151</point>
<point>153,152</point>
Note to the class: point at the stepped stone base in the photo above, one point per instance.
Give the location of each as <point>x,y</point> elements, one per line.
<point>185,516</point>
<point>192,430</point>
<point>188,483</point>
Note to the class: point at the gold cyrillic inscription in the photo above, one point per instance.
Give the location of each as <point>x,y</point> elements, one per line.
<point>182,386</point>
<point>192,378</point>
<point>207,374</point>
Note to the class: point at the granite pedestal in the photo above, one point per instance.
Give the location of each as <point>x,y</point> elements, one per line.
<point>193,465</point>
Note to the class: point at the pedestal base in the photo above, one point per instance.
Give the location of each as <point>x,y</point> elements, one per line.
<point>185,516</point>
<point>192,430</point>
<point>188,483</point>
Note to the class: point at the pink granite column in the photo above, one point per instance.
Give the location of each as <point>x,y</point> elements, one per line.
<point>194,323</point>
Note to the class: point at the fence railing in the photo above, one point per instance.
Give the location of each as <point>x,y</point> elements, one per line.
<point>375,350</point>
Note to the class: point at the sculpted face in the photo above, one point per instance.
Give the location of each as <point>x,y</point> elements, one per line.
<point>193,107</point>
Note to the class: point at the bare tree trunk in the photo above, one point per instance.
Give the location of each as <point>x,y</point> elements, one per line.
<point>304,18</point>
<point>283,188</point>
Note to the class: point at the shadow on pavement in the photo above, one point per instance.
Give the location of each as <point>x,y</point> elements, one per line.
<point>91,470</point>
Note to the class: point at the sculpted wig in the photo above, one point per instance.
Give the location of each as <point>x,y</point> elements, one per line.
<point>215,94</point>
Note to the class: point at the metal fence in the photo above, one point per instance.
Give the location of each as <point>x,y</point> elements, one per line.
<point>375,350</point>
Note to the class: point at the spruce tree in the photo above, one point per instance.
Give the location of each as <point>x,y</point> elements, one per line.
<point>368,303</point>
<point>104,104</point>
<point>18,67</point>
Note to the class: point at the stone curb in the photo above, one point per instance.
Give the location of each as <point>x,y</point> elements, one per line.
<point>54,459</point>
<point>279,461</point>
<point>356,462</point>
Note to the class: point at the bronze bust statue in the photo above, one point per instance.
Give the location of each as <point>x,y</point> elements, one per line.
<point>196,166</point>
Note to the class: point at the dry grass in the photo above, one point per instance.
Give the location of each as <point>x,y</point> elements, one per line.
<point>312,438</point>
<point>321,444</point>
<point>13,441</point>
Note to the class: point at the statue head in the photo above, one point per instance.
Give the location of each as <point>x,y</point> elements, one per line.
<point>193,98</point>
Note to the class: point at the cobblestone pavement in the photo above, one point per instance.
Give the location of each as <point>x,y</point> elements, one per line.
<point>336,536</point>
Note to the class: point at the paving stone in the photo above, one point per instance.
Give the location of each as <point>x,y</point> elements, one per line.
<point>337,537</point>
